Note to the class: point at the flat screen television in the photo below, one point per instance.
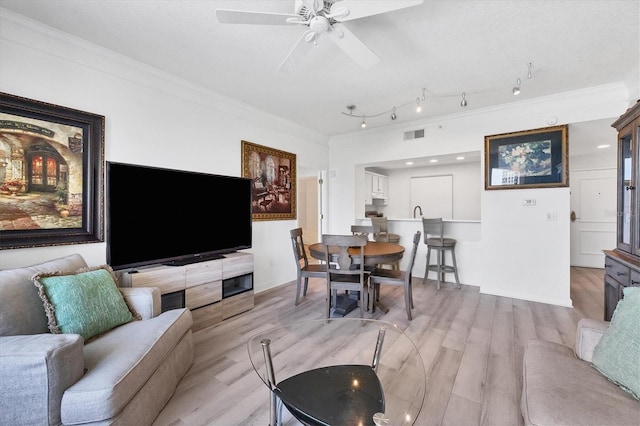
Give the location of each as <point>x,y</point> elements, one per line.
<point>173,217</point>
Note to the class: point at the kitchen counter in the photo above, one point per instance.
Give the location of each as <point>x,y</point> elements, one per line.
<point>466,232</point>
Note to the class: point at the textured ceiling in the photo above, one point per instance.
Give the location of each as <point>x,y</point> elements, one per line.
<point>447,47</point>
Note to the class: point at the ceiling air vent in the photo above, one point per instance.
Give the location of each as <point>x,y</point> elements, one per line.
<point>414,134</point>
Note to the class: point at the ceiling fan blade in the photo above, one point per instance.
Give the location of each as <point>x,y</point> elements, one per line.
<point>362,8</point>
<point>226,16</point>
<point>352,46</point>
<point>297,53</point>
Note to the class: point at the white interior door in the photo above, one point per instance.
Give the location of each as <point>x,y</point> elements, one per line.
<point>308,208</point>
<point>593,225</point>
<point>434,195</point>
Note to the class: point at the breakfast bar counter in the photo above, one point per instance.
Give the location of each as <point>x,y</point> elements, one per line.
<point>466,232</point>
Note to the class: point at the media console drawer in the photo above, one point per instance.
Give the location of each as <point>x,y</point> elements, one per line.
<point>167,278</point>
<point>203,294</point>
<point>237,304</point>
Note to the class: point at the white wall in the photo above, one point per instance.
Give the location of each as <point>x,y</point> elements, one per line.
<point>154,119</point>
<point>524,255</point>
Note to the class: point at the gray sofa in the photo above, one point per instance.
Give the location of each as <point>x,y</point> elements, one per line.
<point>561,387</point>
<point>124,376</point>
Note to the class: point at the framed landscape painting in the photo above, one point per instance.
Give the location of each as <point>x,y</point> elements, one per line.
<point>273,186</point>
<point>51,174</point>
<point>529,159</point>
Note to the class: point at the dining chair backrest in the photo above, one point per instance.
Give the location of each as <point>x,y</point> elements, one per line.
<point>342,259</point>
<point>299,252</point>
<point>380,222</point>
<point>433,228</point>
<point>365,230</point>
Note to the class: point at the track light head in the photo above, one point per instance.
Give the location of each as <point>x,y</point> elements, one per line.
<point>364,123</point>
<point>393,114</point>
<point>463,103</point>
<point>516,88</point>
<point>529,71</point>
<point>418,106</point>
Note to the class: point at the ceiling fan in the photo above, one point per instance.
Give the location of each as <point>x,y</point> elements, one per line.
<point>321,17</point>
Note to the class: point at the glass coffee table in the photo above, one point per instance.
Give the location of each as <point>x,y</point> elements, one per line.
<point>345,371</point>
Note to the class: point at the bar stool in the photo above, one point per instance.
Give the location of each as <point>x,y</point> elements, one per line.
<point>435,240</point>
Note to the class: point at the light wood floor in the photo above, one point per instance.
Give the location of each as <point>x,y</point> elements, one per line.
<point>471,344</point>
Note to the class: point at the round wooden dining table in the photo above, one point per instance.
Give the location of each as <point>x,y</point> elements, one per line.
<point>374,252</point>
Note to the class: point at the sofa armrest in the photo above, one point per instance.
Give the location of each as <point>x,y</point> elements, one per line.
<point>588,334</point>
<point>144,300</point>
<point>35,371</point>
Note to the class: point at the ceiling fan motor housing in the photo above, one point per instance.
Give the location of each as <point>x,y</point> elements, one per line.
<point>319,24</point>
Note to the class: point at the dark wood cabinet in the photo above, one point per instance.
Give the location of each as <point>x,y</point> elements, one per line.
<point>622,264</point>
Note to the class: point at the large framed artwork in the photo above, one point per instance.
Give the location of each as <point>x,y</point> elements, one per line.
<point>529,159</point>
<point>273,187</point>
<point>51,174</point>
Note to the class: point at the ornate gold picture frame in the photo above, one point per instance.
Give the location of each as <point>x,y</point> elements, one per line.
<point>273,186</point>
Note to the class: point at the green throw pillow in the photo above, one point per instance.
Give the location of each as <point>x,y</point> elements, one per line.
<point>617,355</point>
<point>87,303</point>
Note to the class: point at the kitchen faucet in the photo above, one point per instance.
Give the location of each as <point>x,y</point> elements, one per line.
<point>414,210</point>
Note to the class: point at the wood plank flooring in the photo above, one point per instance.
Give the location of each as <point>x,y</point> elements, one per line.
<point>471,344</point>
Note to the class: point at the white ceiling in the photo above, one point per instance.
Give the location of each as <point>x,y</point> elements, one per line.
<point>448,47</point>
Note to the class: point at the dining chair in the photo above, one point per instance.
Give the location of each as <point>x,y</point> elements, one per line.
<point>365,231</point>
<point>305,270</point>
<point>385,236</point>
<point>342,274</point>
<point>395,277</point>
<point>435,240</point>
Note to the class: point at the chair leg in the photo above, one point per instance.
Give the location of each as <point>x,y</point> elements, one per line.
<point>306,286</point>
<point>426,270</point>
<point>440,269</point>
<point>298,285</point>
<point>455,267</point>
<point>407,301</point>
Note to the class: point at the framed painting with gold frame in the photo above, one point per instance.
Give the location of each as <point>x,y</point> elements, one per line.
<point>536,158</point>
<point>273,186</point>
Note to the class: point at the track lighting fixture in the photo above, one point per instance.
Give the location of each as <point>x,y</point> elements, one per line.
<point>420,100</point>
<point>516,88</point>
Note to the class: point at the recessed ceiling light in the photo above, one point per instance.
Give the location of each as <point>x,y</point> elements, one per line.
<point>433,161</point>
<point>603,146</point>
<point>409,163</point>
<point>459,158</point>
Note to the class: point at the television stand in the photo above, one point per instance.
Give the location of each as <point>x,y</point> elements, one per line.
<point>214,290</point>
<point>194,259</point>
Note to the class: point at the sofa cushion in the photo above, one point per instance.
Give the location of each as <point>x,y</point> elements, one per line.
<point>87,303</point>
<point>560,389</point>
<point>119,363</point>
<point>617,355</point>
<point>22,312</point>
